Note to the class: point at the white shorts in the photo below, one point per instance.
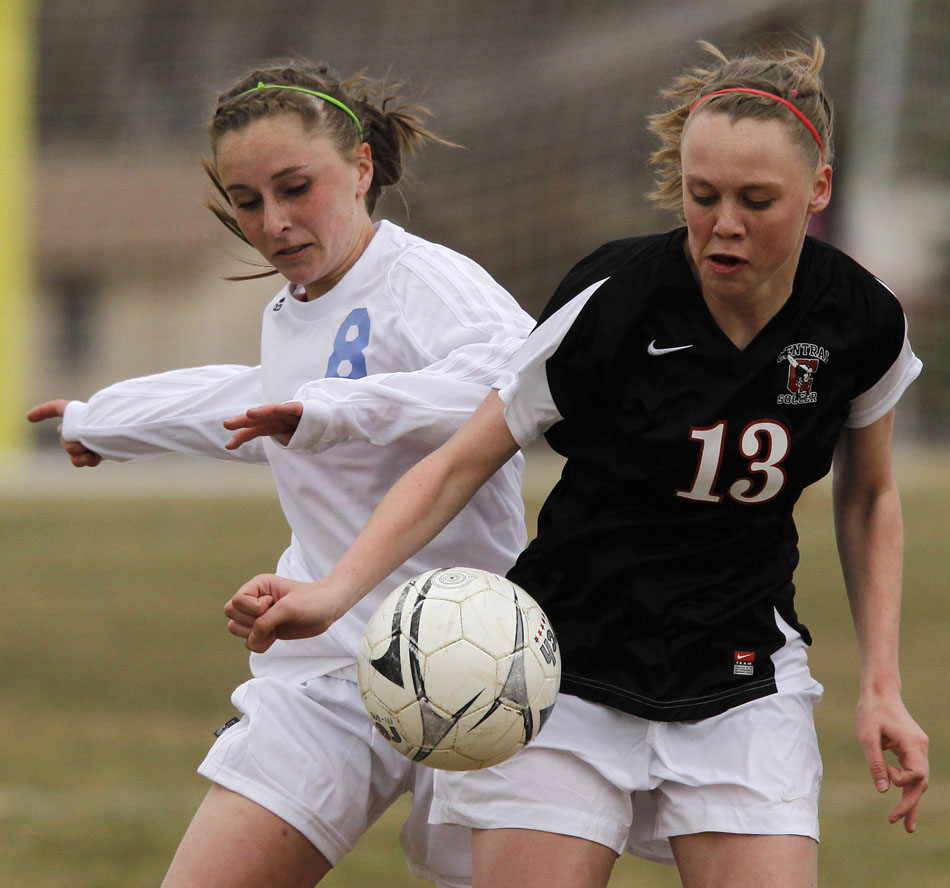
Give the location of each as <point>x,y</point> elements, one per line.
<point>630,784</point>
<point>309,754</point>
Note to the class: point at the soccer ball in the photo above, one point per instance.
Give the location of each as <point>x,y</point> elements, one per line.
<point>459,668</point>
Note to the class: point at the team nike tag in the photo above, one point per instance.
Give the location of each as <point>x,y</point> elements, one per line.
<point>744,663</point>
<point>653,350</point>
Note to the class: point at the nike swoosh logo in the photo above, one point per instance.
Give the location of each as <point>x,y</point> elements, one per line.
<point>744,656</point>
<point>653,350</point>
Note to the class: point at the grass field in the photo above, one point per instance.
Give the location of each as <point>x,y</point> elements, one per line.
<point>117,667</point>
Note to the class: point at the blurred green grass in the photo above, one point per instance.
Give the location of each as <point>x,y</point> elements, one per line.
<point>117,667</point>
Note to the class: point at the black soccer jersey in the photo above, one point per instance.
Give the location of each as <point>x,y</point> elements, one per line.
<point>668,545</point>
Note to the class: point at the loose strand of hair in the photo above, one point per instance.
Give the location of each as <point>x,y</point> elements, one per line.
<point>220,209</point>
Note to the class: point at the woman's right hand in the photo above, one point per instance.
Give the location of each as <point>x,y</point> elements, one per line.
<point>78,453</point>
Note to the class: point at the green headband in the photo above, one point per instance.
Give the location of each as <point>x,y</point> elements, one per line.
<point>310,92</point>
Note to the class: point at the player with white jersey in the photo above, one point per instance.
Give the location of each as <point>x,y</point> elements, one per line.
<point>696,381</point>
<point>379,346</point>
<point>421,331</point>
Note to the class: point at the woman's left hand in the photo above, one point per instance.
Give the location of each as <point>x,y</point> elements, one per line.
<point>269,607</point>
<point>884,724</point>
<point>275,420</point>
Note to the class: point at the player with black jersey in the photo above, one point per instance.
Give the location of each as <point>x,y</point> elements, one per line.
<point>615,554</point>
<point>696,381</point>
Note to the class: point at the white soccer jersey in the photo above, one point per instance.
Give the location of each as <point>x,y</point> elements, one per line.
<point>387,364</point>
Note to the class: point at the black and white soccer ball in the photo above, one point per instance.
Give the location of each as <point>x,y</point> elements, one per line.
<point>459,668</point>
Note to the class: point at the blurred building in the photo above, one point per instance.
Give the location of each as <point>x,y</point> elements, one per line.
<point>549,100</point>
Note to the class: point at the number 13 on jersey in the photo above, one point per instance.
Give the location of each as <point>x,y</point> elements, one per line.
<point>764,444</point>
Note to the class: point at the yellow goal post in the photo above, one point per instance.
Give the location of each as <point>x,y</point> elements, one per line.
<point>17,73</point>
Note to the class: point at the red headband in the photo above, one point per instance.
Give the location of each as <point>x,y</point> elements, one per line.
<point>759,92</point>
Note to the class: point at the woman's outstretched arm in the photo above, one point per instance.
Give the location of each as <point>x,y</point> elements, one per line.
<point>416,509</point>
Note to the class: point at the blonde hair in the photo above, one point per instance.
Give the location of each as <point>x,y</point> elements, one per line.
<point>790,74</point>
<point>391,132</point>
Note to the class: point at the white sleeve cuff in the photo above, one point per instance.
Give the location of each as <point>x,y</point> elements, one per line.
<point>312,427</point>
<point>870,406</point>
<point>72,419</point>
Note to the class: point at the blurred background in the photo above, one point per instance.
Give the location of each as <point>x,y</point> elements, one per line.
<point>115,665</point>
<point>548,99</point>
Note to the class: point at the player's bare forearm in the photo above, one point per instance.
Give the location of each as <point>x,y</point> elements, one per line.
<point>427,498</point>
<point>870,537</point>
<point>870,543</point>
<point>418,506</point>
